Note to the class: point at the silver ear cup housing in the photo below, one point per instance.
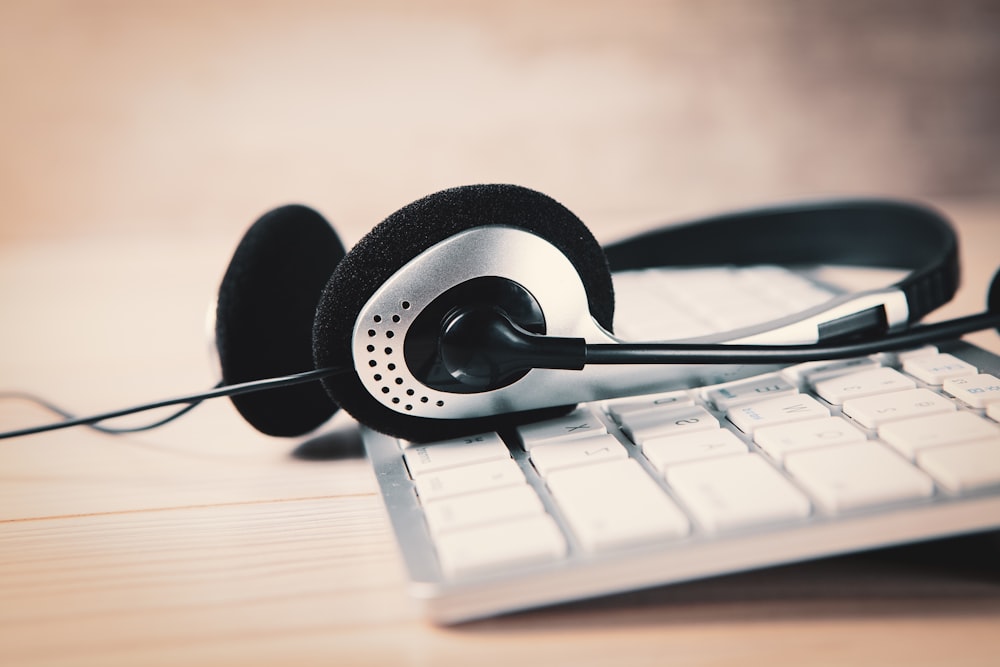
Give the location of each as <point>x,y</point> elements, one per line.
<point>385,321</point>
<point>395,262</point>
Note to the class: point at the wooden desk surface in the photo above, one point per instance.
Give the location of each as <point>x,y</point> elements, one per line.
<point>140,138</point>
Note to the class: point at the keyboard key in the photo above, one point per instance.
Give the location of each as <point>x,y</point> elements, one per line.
<point>873,411</point>
<point>802,375</point>
<point>910,436</point>
<point>735,491</point>
<point>784,439</point>
<point>581,423</point>
<point>642,426</point>
<point>421,459</point>
<point>977,391</point>
<point>777,411</point>
<point>865,383</point>
<point>855,475</point>
<point>663,452</point>
<point>993,411</point>
<point>935,369</point>
<point>477,509</point>
<point>566,454</point>
<point>739,393</point>
<point>468,479</point>
<point>500,546</point>
<point>619,409</point>
<point>615,504</point>
<point>925,351</point>
<point>965,466</point>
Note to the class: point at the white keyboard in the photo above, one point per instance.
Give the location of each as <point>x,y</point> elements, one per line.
<point>815,460</point>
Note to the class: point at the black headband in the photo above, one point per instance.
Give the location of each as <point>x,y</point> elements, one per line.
<point>882,233</point>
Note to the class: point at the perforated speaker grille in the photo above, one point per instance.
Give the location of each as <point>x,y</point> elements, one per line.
<point>387,364</point>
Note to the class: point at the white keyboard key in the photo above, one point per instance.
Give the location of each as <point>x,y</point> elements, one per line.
<point>569,453</point>
<point>641,426</point>
<point>813,371</point>
<point>581,423</point>
<point>663,452</point>
<point>736,314</point>
<point>615,504</point>
<point>865,383</point>
<point>784,439</point>
<point>993,411</point>
<point>422,459</point>
<point>873,411</point>
<point>965,466</point>
<point>935,369</point>
<point>748,391</point>
<point>619,409</point>
<point>500,546</point>
<point>774,278</point>
<point>925,351</point>
<point>468,479</point>
<point>858,475</point>
<point>477,509</point>
<point>977,391</point>
<point>910,436</point>
<point>781,410</point>
<point>734,491</point>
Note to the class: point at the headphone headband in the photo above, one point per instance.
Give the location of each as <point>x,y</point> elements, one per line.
<point>864,232</point>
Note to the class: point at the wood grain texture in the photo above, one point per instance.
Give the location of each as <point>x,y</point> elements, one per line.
<point>317,581</point>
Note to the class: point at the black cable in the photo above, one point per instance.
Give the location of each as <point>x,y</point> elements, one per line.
<point>110,430</point>
<point>570,354</point>
<point>681,353</point>
<point>191,400</point>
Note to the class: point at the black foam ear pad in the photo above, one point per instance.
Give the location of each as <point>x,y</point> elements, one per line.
<point>264,316</point>
<point>403,236</point>
<point>993,296</point>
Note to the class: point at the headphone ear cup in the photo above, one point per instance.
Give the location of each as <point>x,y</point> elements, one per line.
<point>403,236</point>
<point>993,296</point>
<point>264,316</point>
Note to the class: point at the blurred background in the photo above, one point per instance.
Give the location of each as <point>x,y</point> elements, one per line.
<point>123,117</point>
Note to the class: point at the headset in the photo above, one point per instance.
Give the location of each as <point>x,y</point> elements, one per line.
<point>463,311</point>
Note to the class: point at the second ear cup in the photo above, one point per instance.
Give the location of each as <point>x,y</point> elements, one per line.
<point>403,236</point>
<point>264,316</point>
<point>993,296</point>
